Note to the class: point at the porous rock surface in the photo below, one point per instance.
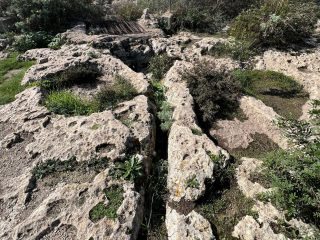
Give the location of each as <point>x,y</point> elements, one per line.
<point>31,135</point>
<point>51,63</point>
<point>235,134</point>
<point>187,227</point>
<point>188,159</point>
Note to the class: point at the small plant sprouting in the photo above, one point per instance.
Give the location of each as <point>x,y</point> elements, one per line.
<point>216,158</point>
<point>193,182</point>
<point>131,169</point>
<point>165,115</point>
<point>197,131</point>
<point>115,199</point>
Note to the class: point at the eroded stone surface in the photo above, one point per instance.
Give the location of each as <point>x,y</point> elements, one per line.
<point>261,119</point>
<point>30,135</point>
<point>52,63</point>
<point>190,227</point>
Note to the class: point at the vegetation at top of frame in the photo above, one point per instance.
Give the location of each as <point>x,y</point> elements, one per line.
<point>128,11</point>
<point>216,93</point>
<point>295,174</point>
<point>198,15</point>
<point>11,73</point>
<point>36,22</point>
<point>276,23</point>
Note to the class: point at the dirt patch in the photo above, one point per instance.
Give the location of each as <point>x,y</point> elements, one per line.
<point>224,208</point>
<point>286,107</point>
<point>259,147</point>
<point>13,161</point>
<point>183,207</point>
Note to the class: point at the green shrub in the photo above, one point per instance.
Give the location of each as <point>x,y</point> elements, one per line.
<point>52,15</point>
<point>56,42</point>
<point>276,23</point>
<point>240,51</point>
<point>68,104</point>
<point>159,66</point>
<point>193,182</point>
<point>198,18</point>
<point>295,177</point>
<point>115,199</point>
<point>165,116</point>
<point>10,85</point>
<point>255,82</point>
<point>131,169</point>
<point>128,11</point>
<point>121,90</point>
<point>32,40</point>
<point>215,93</point>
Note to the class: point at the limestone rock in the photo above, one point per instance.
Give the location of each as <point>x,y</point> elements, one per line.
<point>190,227</point>
<point>260,119</point>
<point>59,206</point>
<point>260,228</point>
<point>81,55</point>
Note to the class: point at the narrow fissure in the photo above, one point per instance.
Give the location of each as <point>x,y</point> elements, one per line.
<point>153,226</point>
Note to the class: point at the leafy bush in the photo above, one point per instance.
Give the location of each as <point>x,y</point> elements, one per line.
<point>215,92</point>
<point>193,182</point>
<point>32,40</point>
<point>56,42</point>
<point>128,11</point>
<point>52,15</point>
<point>295,177</point>
<point>198,18</point>
<point>255,82</point>
<point>109,96</point>
<point>68,104</point>
<point>131,169</point>
<point>276,23</point>
<point>159,66</point>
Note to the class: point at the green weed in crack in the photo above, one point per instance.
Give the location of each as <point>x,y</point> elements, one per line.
<point>115,198</point>
<point>131,169</point>
<point>193,182</point>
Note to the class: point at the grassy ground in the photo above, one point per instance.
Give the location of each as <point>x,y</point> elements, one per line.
<point>275,89</point>
<point>11,74</point>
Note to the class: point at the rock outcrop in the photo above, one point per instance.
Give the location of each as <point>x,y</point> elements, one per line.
<point>61,202</point>
<point>235,134</point>
<point>189,162</point>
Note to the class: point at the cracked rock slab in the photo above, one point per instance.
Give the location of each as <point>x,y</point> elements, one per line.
<point>189,227</point>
